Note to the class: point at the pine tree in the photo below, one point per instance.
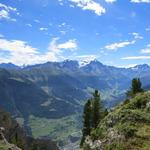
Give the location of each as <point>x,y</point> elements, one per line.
<point>96,109</point>
<point>86,121</point>
<point>92,115</point>
<point>139,89</point>
<point>136,87</point>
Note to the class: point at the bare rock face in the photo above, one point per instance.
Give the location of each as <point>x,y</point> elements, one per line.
<point>148,106</point>
<point>93,145</point>
<point>114,134</point>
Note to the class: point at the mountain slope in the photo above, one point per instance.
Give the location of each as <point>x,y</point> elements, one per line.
<point>15,135</point>
<point>19,95</point>
<point>56,91</point>
<point>125,127</point>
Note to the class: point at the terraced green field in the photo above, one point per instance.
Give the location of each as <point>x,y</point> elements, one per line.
<point>61,130</point>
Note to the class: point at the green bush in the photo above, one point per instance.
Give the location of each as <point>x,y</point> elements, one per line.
<point>127,130</point>
<point>114,146</point>
<point>139,102</point>
<point>126,101</point>
<point>98,133</point>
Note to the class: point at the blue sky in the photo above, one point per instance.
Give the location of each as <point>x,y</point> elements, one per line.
<point>116,32</point>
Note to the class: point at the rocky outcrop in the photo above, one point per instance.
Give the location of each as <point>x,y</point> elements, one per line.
<point>13,137</point>
<point>124,128</point>
<point>4,144</point>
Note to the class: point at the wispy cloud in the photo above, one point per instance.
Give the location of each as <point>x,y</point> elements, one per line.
<point>110,1</point>
<point>146,50</point>
<point>43,29</point>
<point>140,1</point>
<point>116,46</point>
<point>20,52</point>
<point>90,5</point>
<point>16,46</point>
<point>37,21</point>
<point>61,2</point>
<point>29,25</point>
<point>65,28</point>
<point>71,44</point>
<point>136,58</point>
<point>6,11</point>
<point>127,66</point>
<point>63,32</point>
<point>137,35</point>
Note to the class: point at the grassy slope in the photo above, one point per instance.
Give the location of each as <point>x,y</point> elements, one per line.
<point>58,129</point>
<point>127,127</point>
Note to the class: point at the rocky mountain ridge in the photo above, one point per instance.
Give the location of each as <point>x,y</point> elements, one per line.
<point>125,127</point>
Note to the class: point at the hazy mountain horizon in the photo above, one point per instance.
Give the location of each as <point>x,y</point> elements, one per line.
<point>80,63</point>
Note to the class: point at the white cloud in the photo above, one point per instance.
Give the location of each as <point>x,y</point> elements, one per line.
<point>90,5</point>
<point>53,45</point>
<point>43,29</point>
<point>61,2</point>
<point>140,1</point>
<point>116,46</point>
<point>16,46</point>
<point>72,6</point>
<point>127,66</point>
<point>62,25</point>
<point>146,50</point>
<point>71,44</point>
<point>136,58</point>
<point>57,48</point>
<point>37,21</point>
<point>29,25</point>
<point>65,28</point>
<point>137,35</point>
<point>4,14</point>
<point>110,1</point>
<point>20,53</point>
<point>8,8</point>
<point>6,11</point>
<point>63,32</point>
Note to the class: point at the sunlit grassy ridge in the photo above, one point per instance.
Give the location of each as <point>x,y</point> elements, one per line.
<point>126,127</point>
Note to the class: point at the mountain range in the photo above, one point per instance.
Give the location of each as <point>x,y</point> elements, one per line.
<point>56,91</point>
